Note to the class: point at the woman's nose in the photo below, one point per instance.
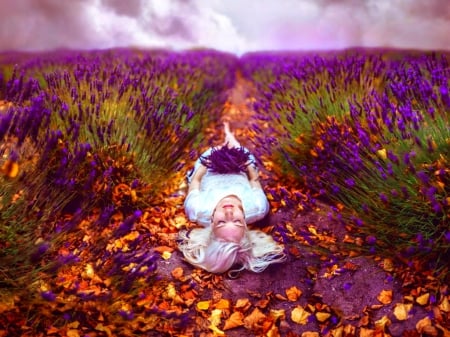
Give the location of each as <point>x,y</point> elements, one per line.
<point>228,211</point>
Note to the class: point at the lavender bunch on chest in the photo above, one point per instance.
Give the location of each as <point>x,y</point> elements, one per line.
<point>226,160</point>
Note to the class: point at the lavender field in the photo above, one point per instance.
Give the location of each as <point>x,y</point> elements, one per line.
<point>95,146</point>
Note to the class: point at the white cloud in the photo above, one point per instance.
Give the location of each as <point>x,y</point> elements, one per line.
<point>231,25</point>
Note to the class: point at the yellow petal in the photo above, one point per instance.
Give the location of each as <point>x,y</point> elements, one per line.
<point>300,315</point>
<point>401,311</point>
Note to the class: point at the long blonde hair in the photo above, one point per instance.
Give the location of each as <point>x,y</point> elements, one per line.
<point>256,251</point>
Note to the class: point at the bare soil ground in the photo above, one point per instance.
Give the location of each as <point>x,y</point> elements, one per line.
<point>347,287</point>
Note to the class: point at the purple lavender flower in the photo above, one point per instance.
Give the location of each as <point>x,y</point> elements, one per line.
<point>48,295</point>
<point>127,224</point>
<point>347,286</point>
<point>125,314</point>
<point>383,197</point>
<point>40,250</point>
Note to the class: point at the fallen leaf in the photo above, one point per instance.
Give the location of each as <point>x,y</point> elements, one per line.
<point>242,304</point>
<point>338,332</point>
<point>10,168</point>
<point>6,302</point>
<point>402,310</point>
<point>50,331</point>
<point>180,221</point>
<point>235,320</point>
<point>222,304</point>
<point>73,325</point>
<point>421,324</point>
<point>177,273</point>
<point>293,293</point>
<point>322,316</point>
<point>171,292</point>
<point>262,303</point>
<point>277,314</point>
<point>162,249</point>
<point>273,331</point>
<point>203,305</point>
<point>214,319</point>
<point>300,315</point>
<point>445,332</point>
<point>423,299</point>
<point>89,271</point>
<point>349,330</point>
<point>280,297</point>
<point>364,332</point>
<point>385,296</point>
<point>72,333</point>
<point>382,153</point>
<point>382,323</point>
<point>445,305</point>
<point>104,328</point>
<point>364,321</point>
<point>310,334</point>
<point>388,265</point>
<point>166,255</point>
<point>254,318</point>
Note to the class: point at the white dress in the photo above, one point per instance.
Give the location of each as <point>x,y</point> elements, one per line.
<point>199,204</point>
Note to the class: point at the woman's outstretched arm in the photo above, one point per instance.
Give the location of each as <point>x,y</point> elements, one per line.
<point>253,176</point>
<point>197,178</point>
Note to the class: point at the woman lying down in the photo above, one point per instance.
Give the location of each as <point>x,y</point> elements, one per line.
<point>225,196</point>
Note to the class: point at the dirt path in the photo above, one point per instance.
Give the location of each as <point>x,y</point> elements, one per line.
<point>340,293</point>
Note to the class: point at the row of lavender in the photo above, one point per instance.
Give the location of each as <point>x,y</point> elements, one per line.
<point>369,132</point>
<point>93,135</point>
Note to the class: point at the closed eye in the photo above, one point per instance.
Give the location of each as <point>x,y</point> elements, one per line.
<point>238,223</point>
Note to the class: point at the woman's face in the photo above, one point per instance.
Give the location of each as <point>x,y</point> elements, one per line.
<point>228,219</point>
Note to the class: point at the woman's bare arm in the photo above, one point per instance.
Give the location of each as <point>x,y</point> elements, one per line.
<point>253,176</point>
<point>197,178</point>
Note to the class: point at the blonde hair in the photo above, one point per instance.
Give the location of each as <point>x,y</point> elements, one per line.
<point>255,252</point>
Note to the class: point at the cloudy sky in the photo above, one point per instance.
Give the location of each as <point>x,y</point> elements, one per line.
<point>236,26</point>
